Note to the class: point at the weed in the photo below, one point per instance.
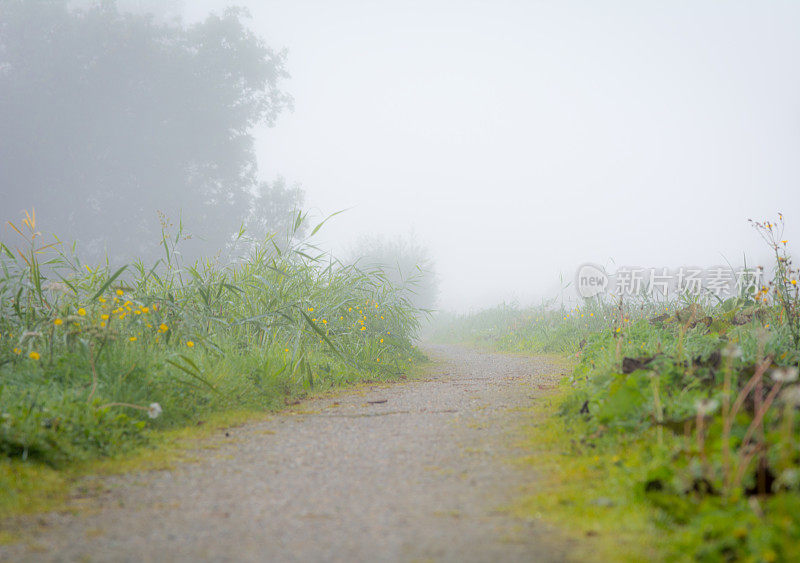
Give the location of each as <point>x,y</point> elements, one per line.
<point>713,384</point>
<point>91,357</point>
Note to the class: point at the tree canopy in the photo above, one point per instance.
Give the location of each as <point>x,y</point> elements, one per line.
<point>110,119</point>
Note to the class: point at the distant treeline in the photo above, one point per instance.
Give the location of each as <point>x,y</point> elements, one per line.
<point>114,123</point>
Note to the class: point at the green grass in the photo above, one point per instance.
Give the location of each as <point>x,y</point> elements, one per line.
<point>586,491</point>
<point>97,361</point>
<point>36,487</point>
<point>680,419</point>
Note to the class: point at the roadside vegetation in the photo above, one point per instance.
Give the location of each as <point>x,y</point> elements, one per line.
<point>93,358</point>
<point>680,418</point>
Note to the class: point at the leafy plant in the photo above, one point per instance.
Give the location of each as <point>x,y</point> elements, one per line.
<point>708,387</point>
<point>90,357</point>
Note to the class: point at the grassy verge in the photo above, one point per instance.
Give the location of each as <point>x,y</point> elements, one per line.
<point>116,363</point>
<point>30,488</point>
<point>586,491</point>
<point>680,420</point>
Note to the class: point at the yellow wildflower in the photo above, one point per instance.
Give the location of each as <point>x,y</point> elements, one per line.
<point>120,292</point>
<point>34,355</point>
<point>82,312</point>
<point>190,344</point>
<point>58,322</point>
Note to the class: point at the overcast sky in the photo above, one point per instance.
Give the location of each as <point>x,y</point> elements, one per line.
<point>519,139</point>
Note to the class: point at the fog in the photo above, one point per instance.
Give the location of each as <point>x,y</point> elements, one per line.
<point>518,140</point>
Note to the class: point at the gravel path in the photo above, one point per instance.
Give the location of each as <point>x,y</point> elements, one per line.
<point>416,471</point>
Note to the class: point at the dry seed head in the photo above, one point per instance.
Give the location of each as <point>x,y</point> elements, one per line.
<point>705,407</point>
<point>791,395</point>
<point>731,351</point>
<point>784,374</point>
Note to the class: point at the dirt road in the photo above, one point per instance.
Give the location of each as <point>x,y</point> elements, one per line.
<point>416,471</point>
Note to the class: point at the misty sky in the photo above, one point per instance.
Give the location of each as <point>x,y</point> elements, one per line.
<point>521,139</point>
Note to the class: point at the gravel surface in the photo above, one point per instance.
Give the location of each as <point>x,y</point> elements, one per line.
<point>415,471</point>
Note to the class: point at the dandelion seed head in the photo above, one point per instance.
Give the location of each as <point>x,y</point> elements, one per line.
<point>791,395</point>
<point>784,374</point>
<point>705,407</point>
<point>731,351</point>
